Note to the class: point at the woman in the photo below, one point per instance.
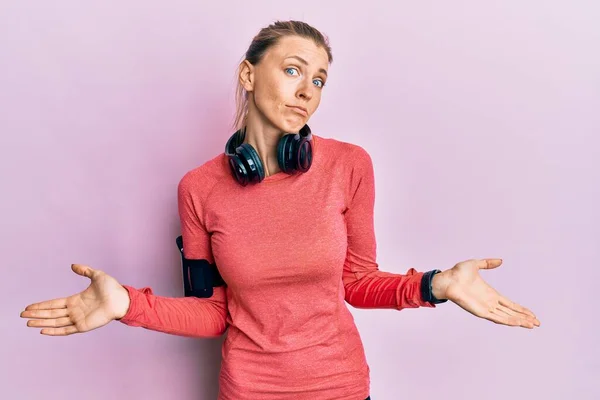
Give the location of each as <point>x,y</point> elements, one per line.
<point>288,221</point>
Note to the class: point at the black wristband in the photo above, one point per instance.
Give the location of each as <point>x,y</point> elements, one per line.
<point>426,290</point>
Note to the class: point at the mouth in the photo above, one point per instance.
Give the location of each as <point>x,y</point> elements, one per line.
<point>299,110</point>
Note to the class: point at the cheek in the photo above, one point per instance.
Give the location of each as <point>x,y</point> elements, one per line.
<point>270,99</point>
<point>316,101</point>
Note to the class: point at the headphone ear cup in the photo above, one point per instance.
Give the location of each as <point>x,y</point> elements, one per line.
<point>239,170</point>
<point>252,162</point>
<point>285,151</point>
<point>294,153</point>
<point>304,155</point>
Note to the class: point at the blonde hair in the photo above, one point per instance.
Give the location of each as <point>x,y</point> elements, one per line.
<point>265,39</point>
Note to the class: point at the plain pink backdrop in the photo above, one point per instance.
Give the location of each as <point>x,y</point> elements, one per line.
<point>482,121</point>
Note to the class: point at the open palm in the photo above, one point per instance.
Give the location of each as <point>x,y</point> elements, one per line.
<point>101,302</point>
<point>466,288</point>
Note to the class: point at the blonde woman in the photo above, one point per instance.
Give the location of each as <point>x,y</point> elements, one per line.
<point>283,220</point>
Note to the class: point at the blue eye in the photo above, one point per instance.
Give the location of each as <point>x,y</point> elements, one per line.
<point>321,85</point>
<point>287,69</point>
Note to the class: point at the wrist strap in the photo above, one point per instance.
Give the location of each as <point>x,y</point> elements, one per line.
<point>426,289</point>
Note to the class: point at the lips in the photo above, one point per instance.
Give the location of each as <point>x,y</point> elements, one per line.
<point>299,110</point>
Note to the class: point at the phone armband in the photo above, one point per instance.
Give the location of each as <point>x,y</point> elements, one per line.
<point>199,276</point>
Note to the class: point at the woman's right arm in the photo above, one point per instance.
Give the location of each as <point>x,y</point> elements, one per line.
<point>105,299</point>
<point>185,316</point>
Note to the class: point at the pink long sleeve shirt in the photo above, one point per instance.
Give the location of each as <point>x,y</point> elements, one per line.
<point>293,250</point>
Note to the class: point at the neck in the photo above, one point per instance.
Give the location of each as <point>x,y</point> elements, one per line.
<point>264,138</point>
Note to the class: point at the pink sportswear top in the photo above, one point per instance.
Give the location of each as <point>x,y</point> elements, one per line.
<point>292,250</point>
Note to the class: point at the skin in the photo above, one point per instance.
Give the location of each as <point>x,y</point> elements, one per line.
<point>275,84</point>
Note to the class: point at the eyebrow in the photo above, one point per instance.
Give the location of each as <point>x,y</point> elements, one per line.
<point>303,61</point>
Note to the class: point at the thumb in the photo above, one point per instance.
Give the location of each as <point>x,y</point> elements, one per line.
<point>83,270</point>
<point>489,263</point>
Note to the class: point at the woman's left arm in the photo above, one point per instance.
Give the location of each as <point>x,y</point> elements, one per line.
<point>368,287</point>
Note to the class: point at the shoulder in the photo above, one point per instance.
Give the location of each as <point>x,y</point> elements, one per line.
<point>200,180</point>
<point>352,155</point>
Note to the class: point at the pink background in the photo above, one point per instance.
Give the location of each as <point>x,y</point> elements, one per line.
<point>482,121</point>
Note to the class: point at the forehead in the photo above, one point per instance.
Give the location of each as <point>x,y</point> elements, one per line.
<point>289,46</point>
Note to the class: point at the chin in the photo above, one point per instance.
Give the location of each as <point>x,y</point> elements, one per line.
<point>293,126</point>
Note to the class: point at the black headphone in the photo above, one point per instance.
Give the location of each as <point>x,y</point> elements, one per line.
<point>294,153</point>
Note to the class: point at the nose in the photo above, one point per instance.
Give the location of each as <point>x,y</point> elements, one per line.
<point>305,90</point>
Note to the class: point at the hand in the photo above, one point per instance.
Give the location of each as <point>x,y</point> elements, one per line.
<point>103,301</point>
<point>462,285</point>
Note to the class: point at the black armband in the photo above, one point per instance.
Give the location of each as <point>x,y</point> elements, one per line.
<point>199,276</point>
<point>426,291</point>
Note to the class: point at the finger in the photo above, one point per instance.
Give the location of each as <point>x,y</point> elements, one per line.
<point>83,270</point>
<point>501,318</point>
<point>525,318</point>
<point>48,304</point>
<point>53,313</point>
<point>506,310</point>
<point>514,306</point>
<point>489,263</point>
<point>51,323</point>
<point>524,311</point>
<point>68,330</point>
<point>510,320</point>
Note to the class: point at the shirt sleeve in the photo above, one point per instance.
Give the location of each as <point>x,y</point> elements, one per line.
<point>185,316</point>
<point>365,285</point>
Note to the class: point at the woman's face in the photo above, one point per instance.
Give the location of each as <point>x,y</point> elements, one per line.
<point>291,74</point>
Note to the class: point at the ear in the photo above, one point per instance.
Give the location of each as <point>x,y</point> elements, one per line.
<point>246,75</point>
